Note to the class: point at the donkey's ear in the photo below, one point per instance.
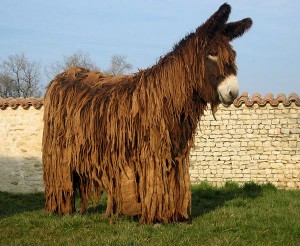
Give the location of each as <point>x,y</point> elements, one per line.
<point>217,21</point>
<point>237,29</point>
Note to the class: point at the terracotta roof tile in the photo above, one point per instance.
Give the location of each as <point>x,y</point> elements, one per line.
<point>244,98</point>
<point>268,98</point>
<point>25,103</point>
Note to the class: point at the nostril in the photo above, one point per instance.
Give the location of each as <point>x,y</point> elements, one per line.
<point>233,94</point>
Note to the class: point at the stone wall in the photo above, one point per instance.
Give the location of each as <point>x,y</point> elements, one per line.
<point>255,139</point>
<point>259,142</point>
<point>21,130</point>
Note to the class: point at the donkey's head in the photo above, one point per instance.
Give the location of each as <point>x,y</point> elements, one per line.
<point>218,68</point>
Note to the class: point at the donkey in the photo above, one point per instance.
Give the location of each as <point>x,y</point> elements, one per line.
<point>130,135</point>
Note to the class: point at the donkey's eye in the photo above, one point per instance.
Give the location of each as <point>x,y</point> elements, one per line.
<point>213,57</point>
<point>213,53</point>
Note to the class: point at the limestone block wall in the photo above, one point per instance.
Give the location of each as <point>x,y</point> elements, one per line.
<point>21,130</point>
<point>255,139</point>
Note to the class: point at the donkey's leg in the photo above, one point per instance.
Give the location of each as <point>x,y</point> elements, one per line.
<point>156,202</point>
<point>65,193</point>
<point>179,184</point>
<point>167,195</point>
<point>59,190</point>
<point>85,193</point>
<point>130,198</point>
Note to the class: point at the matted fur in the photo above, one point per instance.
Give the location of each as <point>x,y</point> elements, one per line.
<point>131,135</point>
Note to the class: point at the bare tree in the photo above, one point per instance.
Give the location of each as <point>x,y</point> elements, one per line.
<point>78,59</point>
<point>19,77</point>
<point>7,86</point>
<point>118,66</point>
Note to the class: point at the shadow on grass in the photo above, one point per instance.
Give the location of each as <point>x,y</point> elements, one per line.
<point>205,198</point>
<point>12,203</point>
<point>16,203</point>
<point>100,207</point>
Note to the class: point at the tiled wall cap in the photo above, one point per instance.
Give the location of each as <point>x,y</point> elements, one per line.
<point>25,103</point>
<point>267,99</point>
<point>244,98</point>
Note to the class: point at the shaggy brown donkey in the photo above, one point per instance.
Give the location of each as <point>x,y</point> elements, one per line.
<point>131,135</point>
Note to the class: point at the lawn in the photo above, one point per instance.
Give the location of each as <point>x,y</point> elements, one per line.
<point>231,215</point>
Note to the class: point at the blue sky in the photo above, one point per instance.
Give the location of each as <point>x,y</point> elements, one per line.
<point>45,31</point>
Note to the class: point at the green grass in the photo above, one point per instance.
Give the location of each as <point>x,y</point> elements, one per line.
<point>231,215</point>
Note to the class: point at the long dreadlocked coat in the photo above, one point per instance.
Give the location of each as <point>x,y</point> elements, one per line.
<point>131,135</point>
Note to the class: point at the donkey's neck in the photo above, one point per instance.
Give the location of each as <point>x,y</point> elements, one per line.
<point>173,81</point>
<point>172,98</point>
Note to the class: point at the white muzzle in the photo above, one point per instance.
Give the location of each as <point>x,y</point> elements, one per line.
<point>228,89</point>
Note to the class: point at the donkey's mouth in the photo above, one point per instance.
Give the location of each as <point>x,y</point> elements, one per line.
<point>223,101</point>
<point>226,102</point>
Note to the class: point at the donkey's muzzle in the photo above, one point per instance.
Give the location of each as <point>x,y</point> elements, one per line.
<point>228,89</point>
